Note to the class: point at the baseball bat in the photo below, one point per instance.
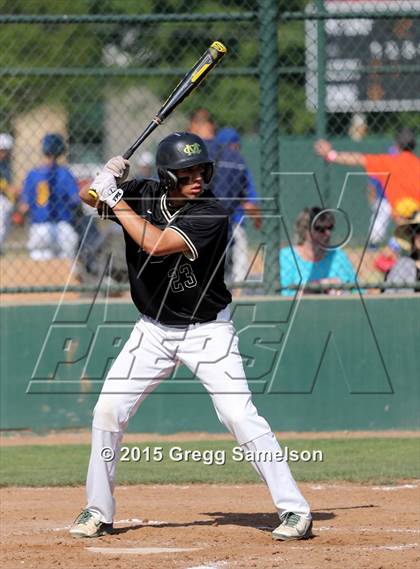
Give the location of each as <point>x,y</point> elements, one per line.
<point>188,83</point>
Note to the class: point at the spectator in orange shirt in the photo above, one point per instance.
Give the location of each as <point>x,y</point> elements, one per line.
<point>399,174</point>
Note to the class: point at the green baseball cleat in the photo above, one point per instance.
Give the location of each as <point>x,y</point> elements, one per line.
<point>88,525</point>
<point>293,526</point>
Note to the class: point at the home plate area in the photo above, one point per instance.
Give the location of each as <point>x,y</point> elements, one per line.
<point>214,527</point>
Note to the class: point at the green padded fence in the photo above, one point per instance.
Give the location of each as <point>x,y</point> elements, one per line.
<point>322,364</point>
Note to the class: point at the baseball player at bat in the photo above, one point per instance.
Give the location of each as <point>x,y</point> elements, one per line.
<point>176,239</point>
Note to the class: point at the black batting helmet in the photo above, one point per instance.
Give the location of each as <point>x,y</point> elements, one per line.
<point>181,150</point>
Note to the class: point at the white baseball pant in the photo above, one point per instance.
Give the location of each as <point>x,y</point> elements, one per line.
<point>6,207</point>
<point>240,259</point>
<point>48,240</point>
<point>379,221</point>
<point>210,350</point>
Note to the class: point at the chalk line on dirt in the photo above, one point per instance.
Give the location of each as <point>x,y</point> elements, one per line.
<point>143,522</point>
<point>342,547</point>
<point>215,566</point>
<point>391,547</point>
<point>132,521</point>
<point>393,488</point>
<point>374,530</point>
<point>377,488</point>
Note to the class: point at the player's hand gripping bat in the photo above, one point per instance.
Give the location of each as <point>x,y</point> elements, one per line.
<point>188,83</point>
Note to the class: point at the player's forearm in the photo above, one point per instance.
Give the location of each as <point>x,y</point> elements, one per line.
<point>347,158</point>
<point>146,235</point>
<point>324,149</point>
<point>86,197</point>
<point>254,212</point>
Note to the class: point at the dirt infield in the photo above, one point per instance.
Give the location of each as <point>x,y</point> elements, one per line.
<point>355,526</point>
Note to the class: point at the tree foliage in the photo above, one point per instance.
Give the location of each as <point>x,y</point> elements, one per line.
<point>40,61</point>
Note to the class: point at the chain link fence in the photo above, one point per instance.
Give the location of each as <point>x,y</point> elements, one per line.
<point>81,79</point>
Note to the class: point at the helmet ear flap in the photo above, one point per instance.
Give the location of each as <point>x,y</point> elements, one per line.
<point>167,179</point>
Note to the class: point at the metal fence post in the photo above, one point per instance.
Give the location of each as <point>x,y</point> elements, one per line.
<point>321,115</point>
<point>269,132</point>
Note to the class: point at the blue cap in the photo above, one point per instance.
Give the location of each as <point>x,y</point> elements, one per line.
<point>53,145</point>
<point>228,135</point>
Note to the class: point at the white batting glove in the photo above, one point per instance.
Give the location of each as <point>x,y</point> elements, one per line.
<point>106,189</point>
<point>119,167</point>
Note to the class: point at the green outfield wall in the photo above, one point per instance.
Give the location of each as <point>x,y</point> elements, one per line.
<point>320,364</point>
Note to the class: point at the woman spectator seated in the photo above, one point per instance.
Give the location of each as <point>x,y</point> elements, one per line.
<point>313,260</point>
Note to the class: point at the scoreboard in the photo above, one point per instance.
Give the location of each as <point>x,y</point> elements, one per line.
<point>371,64</point>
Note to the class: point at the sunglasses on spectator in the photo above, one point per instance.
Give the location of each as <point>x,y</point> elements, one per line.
<point>323,228</point>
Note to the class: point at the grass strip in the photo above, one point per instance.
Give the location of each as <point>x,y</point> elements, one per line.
<point>378,460</point>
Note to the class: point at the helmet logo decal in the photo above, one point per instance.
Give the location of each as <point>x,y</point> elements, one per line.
<point>191,149</point>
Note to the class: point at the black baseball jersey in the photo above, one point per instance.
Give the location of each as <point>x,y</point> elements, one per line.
<point>178,289</point>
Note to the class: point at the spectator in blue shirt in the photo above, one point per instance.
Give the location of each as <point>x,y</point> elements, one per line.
<point>312,260</point>
<point>229,181</point>
<point>247,206</point>
<point>50,195</point>
<point>232,184</point>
